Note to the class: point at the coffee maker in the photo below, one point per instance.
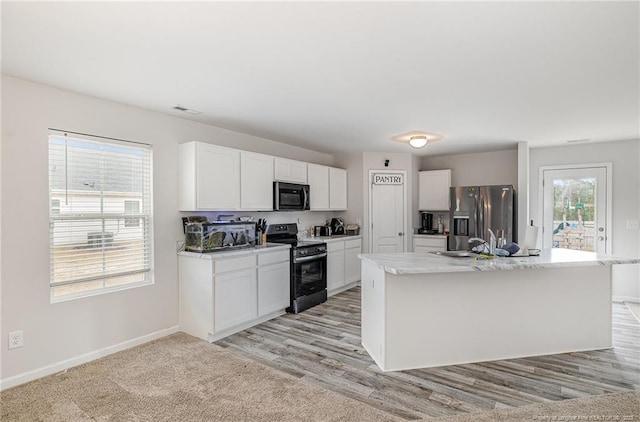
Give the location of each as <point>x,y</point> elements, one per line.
<point>427,224</point>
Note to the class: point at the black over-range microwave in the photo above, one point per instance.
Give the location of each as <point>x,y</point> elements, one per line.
<point>290,196</point>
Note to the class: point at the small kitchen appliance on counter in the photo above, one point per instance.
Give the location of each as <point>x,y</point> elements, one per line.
<point>322,231</point>
<point>353,229</point>
<point>427,224</point>
<point>337,226</point>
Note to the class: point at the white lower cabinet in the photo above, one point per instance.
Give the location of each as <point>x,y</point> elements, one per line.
<point>220,296</point>
<point>343,264</point>
<point>273,288</point>
<point>235,296</point>
<point>351,261</point>
<point>335,265</point>
<point>429,243</point>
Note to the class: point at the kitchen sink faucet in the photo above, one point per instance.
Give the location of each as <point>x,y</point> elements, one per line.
<point>491,244</point>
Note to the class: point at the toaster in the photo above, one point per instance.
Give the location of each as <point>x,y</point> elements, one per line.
<point>322,231</point>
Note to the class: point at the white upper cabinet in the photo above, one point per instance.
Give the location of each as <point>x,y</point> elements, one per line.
<point>318,177</point>
<point>256,181</point>
<point>290,171</point>
<point>209,177</point>
<point>215,178</point>
<point>434,190</point>
<point>337,189</point>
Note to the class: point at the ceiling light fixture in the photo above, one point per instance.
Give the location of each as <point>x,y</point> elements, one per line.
<point>417,139</point>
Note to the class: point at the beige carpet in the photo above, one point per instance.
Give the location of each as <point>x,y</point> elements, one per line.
<point>178,378</point>
<point>181,378</point>
<point>634,308</point>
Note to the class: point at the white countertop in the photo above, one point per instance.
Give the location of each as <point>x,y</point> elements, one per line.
<point>233,253</point>
<point>424,262</point>
<point>334,238</point>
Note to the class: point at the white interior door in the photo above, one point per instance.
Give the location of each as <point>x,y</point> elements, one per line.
<point>387,212</point>
<point>575,208</point>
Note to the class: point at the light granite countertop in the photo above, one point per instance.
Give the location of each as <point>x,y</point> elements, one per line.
<point>424,262</point>
<point>234,253</point>
<point>334,238</point>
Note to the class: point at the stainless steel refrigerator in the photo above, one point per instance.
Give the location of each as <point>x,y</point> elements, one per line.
<point>476,209</point>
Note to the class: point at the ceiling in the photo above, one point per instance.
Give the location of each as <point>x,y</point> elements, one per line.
<point>343,77</point>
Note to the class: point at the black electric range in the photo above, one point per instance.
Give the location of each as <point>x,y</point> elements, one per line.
<point>308,266</point>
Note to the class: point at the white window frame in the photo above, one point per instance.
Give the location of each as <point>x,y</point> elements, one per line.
<point>144,220</point>
<point>55,207</point>
<point>132,221</point>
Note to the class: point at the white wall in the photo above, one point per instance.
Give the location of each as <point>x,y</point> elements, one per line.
<point>67,331</point>
<point>353,164</point>
<point>625,159</point>
<point>482,168</point>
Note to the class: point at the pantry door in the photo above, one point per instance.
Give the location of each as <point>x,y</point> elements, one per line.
<point>387,197</point>
<point>575,208</point>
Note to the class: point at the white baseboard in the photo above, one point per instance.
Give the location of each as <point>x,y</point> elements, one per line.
<point>626,299</point>
<point>87,357</point>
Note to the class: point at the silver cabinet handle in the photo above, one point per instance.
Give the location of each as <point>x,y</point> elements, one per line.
<point>309,258</point>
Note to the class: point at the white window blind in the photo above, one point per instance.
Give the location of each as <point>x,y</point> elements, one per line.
<point>100,217</point>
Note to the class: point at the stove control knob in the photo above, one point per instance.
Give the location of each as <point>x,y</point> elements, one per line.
<point>302,252</point>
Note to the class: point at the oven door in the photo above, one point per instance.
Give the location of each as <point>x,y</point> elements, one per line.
<point>309,275</point>
<point>290,197</point>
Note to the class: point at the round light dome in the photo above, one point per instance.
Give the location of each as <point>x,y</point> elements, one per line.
<point>418,141</point>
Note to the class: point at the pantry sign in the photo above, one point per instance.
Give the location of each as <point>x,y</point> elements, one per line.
<point>388,179</point>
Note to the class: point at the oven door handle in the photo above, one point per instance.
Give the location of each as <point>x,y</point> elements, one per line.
<point>309,258</point>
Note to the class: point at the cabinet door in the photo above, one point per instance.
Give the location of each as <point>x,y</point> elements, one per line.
<point>429,244</point>
<point>335,270</point>
<point>299,172</point>
<point>318,177</point>
<point>290,170</point>
<point>351,265</point>
<point>434,190</point>
<point>273,288</point>
<point>235,298</point>
<point>337,189</point>
<point>282,169</point>
<point>256,190</point>
<point>217,177</point>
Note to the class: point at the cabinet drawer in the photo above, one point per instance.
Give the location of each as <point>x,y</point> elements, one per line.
<point>273,257</point>
<point>439,242</point>
<point>352,243</point>
<point>418,248</point>
<point>335,246</point>
<point>234,264</point>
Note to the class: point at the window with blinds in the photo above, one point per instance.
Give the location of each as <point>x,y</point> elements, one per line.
<point>100,219</point>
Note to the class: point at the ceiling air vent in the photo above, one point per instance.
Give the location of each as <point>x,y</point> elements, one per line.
<point>186,110</point>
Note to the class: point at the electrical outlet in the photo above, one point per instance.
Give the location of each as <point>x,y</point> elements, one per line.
<point>15,339</point>
<point>632,224</point>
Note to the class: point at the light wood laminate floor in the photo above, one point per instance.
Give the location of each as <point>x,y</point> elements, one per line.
<point>322,345</point>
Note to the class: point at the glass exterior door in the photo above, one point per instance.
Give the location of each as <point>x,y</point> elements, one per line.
<point>575,209</point>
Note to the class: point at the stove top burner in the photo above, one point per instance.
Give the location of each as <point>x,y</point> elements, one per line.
<point>288,233</point>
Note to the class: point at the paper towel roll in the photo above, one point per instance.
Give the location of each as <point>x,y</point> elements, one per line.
<point>530,238</point>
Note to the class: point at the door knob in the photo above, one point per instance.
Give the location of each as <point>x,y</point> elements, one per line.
<point>400,234</point>
<point>600,237</point>
<point>600,229</point>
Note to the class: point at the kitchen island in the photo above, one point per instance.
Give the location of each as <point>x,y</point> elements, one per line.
<point>424,310</point>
